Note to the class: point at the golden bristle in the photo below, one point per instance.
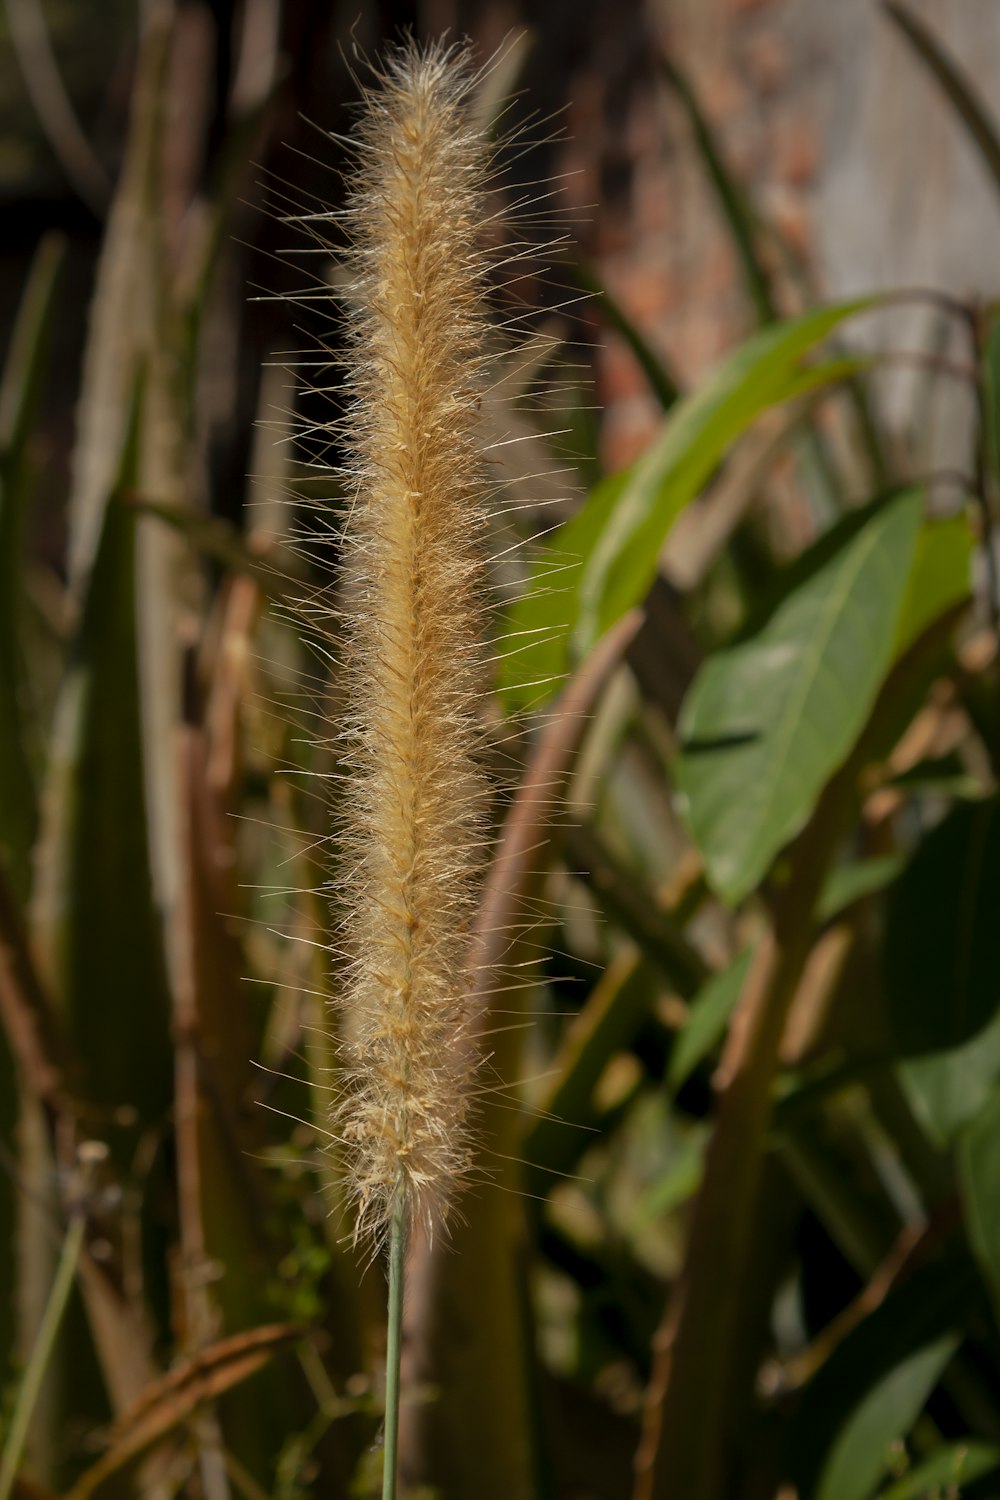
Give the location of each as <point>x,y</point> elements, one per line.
<point>412,577</point>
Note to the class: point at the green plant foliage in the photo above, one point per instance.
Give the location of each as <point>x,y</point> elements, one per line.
<point>602,562</point>
<point>853,882</point>
<point>941,934</point>
<point>708,1016</point>
<point>732,1230</point>
<point>863,1450</point>
<point>770,719</point>
<point>953,1466</point>
<point>940,577</point>
<point>979,1173</point>
<point>93,900</point>
<point>870,1391</point>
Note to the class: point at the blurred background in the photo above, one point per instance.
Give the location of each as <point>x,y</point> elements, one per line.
<point>182,1311</point>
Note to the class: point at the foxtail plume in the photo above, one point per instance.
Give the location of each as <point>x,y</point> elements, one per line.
<point>412,843</point>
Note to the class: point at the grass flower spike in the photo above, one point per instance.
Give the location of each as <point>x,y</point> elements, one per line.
<point>412,619</point>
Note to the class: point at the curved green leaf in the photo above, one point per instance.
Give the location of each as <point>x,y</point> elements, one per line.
<point>871,1389</point>
<point>864,1446</point>
<point>603,561</point>
<point>770,719</point>
<point>948,1467</point>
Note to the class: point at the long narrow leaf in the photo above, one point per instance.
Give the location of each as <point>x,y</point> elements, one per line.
<point>957,88</point>
<point>738,213</point>
<point>20,393</point>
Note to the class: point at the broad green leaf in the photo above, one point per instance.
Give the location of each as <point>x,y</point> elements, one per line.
<point>948,1089</point>
<point>602,562</point>
<point>943,1474</point>
<point>939,579</point>
<point>707,1018</point>
<point>769,720</point>
<point>979,1177</point>
<point>864,1447</point>
<point>942,952</point>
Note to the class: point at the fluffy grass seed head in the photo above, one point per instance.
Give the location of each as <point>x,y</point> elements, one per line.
<point>412,836</point>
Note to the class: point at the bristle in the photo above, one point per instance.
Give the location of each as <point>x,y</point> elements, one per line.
<point>412,573</point>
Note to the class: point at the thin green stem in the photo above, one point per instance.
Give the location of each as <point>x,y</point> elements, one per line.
<point>393,1343</point>
<point>41,1353</point>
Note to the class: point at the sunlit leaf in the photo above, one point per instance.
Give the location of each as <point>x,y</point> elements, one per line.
<point>770,719</point>
<point>603,561</point>
<point>940,578</point>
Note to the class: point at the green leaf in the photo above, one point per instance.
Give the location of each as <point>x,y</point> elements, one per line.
<point>603,561</point>
<point>939,579</point>
<point>871,1389</point>
<point>94,919</point>
<point>948,1089</point>
<point>948,1467</point>
<point>769,720</point>
<point>680,1181</point>
<point>942,952</point>
<point>620,568</point>
<point>707,1018</point>
<point>864,1447</point>
<point>979,1174</point>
